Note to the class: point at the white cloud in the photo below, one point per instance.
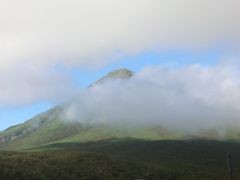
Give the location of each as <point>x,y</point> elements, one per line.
<point>188,98</point>
<point>25,85</point>
<point>88,33</point>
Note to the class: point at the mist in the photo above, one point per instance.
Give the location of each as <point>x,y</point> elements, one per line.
<point>188,98</point>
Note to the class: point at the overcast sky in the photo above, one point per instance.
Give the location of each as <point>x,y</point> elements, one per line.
<point>50,49</point>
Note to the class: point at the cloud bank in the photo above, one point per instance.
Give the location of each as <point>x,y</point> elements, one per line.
<point>38,35</point>
<point>79,32</point>
<point>186,98</point>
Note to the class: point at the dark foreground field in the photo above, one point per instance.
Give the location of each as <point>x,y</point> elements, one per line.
<point>71,165</point>
<point>124,159</point>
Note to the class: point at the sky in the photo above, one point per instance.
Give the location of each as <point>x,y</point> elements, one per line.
<point>50,51</point>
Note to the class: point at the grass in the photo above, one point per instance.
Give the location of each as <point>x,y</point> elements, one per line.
<point>30,123</point>
<point>56,131</point>
<point>52,132</point>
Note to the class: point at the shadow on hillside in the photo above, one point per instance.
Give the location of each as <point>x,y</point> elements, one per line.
<point>193,156</point>
<point>138,149</point>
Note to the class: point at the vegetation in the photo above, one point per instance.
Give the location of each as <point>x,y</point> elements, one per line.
<point>171,155</point>
<point>177,159</point>
<point>71,165</point>
<point>124,159</point>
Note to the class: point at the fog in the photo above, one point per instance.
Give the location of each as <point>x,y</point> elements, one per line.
<point>186,98</point>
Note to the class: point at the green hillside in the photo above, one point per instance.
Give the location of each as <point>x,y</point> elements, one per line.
<point>49,127</point>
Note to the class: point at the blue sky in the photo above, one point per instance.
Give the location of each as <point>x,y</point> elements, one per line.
<point>84,77</point>
<point>51,49</point>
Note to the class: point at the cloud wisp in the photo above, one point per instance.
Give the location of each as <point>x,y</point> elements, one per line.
<point>187,98</point>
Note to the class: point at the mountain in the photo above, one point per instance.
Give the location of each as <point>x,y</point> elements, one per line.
<point>48,126</point>
<point>177,155</point>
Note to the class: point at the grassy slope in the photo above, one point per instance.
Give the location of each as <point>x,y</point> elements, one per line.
<point>56,131</point>
<point>31,137</point>
<point>52,132</point>
<point>30,123</point>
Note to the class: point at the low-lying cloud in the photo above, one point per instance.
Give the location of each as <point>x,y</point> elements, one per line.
<point>187,98</point>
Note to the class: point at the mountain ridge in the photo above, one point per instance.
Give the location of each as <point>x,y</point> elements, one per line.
<point>45,118</point>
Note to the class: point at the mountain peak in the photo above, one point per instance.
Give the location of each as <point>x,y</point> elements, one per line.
<point>122,73</point>
<point>119,73</point>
